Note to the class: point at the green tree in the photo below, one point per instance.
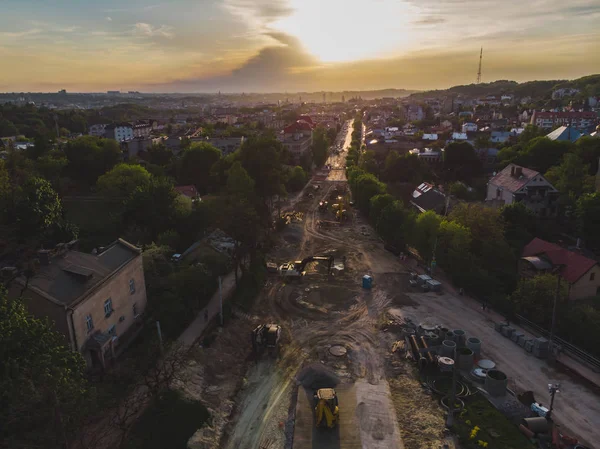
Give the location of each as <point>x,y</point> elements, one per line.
<point>531,132</point>
<point>51,166</point>
<point>484,223</point>
<point>90,157</point>
<point>297,179</point>
<point>425,234</point>
<point>588,217</point>
<point>366,187</point>
<point>571,177</point>
<point>159,154</point>
<point>122,181</point>
<point>482,142</point>
<point>368,162</point>
<point>453,246</point>
<point>459,190</point>
<point>461,163</point>
<point>395,224</point>
<point>534,297</point>
<point>378,203</point>
<point>42,383</point>
<point>542,153</point>
<point>520,226</point>
<point>194,165</point>
<point>320,146</point>
<point>588,149</point>
<point>7,128</point>
<point>405,168</point>
<point>37,207</point>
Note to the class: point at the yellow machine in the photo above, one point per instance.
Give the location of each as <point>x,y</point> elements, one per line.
<point>340,209</point>
<point>326,408</point>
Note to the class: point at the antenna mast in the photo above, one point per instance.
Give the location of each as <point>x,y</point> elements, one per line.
<point>479,71</point>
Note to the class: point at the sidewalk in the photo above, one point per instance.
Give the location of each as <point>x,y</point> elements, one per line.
<point>194,331</point>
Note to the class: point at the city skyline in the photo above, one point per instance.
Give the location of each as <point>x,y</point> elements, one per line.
<point>291,45</point>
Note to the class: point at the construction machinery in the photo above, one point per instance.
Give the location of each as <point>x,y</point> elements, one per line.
<point>266,337</point>
<point>339,209</point>
<point>323,205</point>
<point>326,408</point>
<point>295,270</point>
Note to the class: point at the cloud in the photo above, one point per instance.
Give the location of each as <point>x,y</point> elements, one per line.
<point>13,34</point>
<point>145,29</point>
<point>430,20</point>
<point>108,18</point>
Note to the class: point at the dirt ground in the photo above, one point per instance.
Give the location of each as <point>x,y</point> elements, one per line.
<point>262,404</point>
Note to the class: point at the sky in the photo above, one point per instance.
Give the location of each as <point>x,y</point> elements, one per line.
<point>291,45</point>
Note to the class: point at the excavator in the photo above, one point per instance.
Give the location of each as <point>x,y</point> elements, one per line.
<point>295,270</point>
<point>326,408</point>
<point>266,336</point>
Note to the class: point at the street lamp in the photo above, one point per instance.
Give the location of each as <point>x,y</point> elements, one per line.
<point>552,389</point>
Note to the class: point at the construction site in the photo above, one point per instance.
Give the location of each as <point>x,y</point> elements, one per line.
<point>350,346</point>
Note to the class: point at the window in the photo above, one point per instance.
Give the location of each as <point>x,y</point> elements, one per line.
<point>89,323</point>
<point>108,307</point>
<point>112,330</point>
<point>592,276</point>
<point>135,309</point>
<point>131,286</point>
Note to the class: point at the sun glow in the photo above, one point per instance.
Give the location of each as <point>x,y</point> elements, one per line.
<point>350,30</point>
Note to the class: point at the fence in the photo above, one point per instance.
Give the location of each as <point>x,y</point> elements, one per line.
<point>567,347</point>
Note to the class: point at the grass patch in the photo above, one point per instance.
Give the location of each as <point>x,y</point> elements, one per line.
<point>494,427</point>
<point>168,423</point>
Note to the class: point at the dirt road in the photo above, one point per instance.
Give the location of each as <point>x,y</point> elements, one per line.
<point>577,407</point>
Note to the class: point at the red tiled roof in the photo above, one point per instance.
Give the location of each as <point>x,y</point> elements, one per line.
<point>307,119</point>
<point>189,191</point>
<point>297,126</point>
<point>568,114</point>
<point>511,183</point>
<point>575,265</point>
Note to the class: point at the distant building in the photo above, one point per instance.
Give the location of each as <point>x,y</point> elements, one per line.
<point>227,145</point>
<point>414,113</point>
<point>469,127</point>
<point>564,133</point>
<point>94,300</point>
<point>519,184</point>
<point>141,129</point>
<point>97,130</point>
<point>581,120</point>
<point>566,92</point>
<point>119,131</point>
<point>132,148</point>
<point>581,273</point>
<point>189,192</point>
<point>459,136</point>
<point>113,92</point>
<point>298,138</point>
<point>428,155</point>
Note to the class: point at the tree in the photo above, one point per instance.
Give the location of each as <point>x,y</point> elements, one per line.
<point>519,226</point>
<point>151,209</point>
<point>425,233</point>
<point>453,246</point>
<point>239,182</point>
<point>542,153</point>
<point>461,163</point>
<point>122,181</point>
<point>534,297</point>
<point>588,149</point>
<point>194,166</point>
<point>51,166</point>
<point>90,157</point>
<point>588,217</point>
<point>366,187</point>
<point>320,146</point>
<point>296,180</point>
<point>42,383</point>
<point>395,224</point>
<point>482,142</point>
<point>405,168</point>
<point>571,177</point>
<point>459,190</point>
<point>37,207</point>
<point>483,222</point>
<point>378,203</point>
<point>7,128</point>
<point>530,132</point>
<point>159,154</point>
<point>368,162</point>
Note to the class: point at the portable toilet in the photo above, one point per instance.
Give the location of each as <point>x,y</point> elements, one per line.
<point>367,281</point>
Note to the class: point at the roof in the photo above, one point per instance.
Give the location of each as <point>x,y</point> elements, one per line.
<point>512,183</point>
<point>568,114</point>
<point>307,119</point>
<point>425,197</point>
<point>71,275</point>
<point>566,133</point>
<point>189,191</point>
<point>297,126</point>
<point>574,265</point>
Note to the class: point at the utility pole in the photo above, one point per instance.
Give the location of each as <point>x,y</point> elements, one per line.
<point>221,300</point>
<point>557,294</point>
<point>479,71</point>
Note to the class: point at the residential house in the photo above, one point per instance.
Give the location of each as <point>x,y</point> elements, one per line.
<point>565,92</point>
<point>430,136</point>
<point>581,273</point>
<point>459,136</point>
<point>135,146</point>
<point>414,113</point>
<point>469,127</point>
<point>426,197</point>
<point>97,130</point>
<point>94,300</point>
<point>501,136</point>
<point>119,131</point>
<point>297,138</point>
<point>581,120</point>
<point>189,191</point>
<point>428,155</point>
<point>519,184</point>
<point>564,133</point>
<point>227,145</point>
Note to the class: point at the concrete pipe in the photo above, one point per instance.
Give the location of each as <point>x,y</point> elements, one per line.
<point>465,359</point>
<point>537,424</point>
<point>448,348</point>
<point>460,337</point>
<point>441,331</point>
<point>474,344</point>
<point>496,383</point>
<point>450,336</point>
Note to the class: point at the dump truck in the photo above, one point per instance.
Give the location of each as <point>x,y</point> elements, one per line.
<point>266,337</point>
<point>326,408</point>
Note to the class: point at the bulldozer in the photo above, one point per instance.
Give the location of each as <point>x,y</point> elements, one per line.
<point>266,337</point>
<point>326,408</point>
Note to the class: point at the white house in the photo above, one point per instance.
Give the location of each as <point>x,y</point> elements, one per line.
<point>97,130</point>
<point>119,132</point>
<point>459,136</point>
<point>469,127</point>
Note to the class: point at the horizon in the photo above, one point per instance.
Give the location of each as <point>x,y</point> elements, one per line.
<point>261,46</point>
